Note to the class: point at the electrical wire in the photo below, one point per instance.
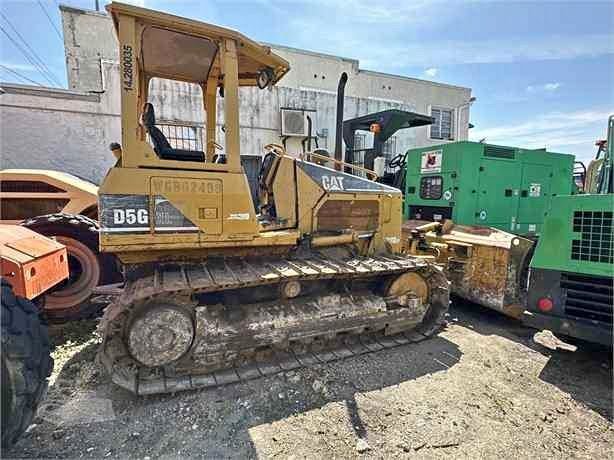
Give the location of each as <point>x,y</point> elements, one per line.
<point>14,72</point>
<point>26,55</point>
<point>57,31</point>
<point>43,66</point>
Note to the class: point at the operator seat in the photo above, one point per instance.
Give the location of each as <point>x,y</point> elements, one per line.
<point>219,158</point>
<point>161,145</point>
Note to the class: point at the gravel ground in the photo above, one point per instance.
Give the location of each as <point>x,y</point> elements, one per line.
<point>482,388</point>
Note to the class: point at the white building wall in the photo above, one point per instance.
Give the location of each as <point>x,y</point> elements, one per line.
<point>58,129</point>
<point>87,40</point>
<point>321,72</point>
<point>71,130</point>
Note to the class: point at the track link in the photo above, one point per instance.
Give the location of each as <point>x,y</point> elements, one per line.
<point>386,328</point>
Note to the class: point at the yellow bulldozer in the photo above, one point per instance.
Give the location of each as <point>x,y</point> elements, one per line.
<point>217,289</point>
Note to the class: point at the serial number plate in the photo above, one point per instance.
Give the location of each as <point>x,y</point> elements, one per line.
<point>205,187</point>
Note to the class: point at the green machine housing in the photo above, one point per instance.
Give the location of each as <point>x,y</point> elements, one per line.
<point>572,269</point>
<point>473,183</point>
<point>571,277</point>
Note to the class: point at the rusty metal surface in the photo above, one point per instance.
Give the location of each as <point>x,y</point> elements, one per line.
<point>30,262</point>
<point>250,339</point>
<point>484,265</point>
<point>160,335</point>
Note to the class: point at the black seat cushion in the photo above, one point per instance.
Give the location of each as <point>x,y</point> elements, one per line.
<point>161,145</point>
<point>219,158</point>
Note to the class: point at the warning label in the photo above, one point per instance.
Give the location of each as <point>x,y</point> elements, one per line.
<point>535,190</point>
<point>431,161</point>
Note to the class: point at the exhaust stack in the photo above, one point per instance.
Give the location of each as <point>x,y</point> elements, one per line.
<point>339,123</point>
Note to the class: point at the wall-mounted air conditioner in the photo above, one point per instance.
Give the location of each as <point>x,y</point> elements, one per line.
<point>294,122</point>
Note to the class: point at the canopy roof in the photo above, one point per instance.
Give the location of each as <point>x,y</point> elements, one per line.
<point>390,122</point>
<point>179,48</point>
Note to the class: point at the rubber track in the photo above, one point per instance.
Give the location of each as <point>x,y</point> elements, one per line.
<point>226,274</point>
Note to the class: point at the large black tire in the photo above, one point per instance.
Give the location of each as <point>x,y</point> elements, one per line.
<point>26,363</point>
<point>70,300</point>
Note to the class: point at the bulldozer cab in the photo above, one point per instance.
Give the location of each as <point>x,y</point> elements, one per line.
<point>161,197</point>
<point>213,60</point>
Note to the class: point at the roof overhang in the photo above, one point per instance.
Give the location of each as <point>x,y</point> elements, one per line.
<point>390,122</point>
<point>252,56</point>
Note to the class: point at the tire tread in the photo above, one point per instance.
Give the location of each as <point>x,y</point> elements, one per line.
<point>84,230</point>
<point>26,356</point>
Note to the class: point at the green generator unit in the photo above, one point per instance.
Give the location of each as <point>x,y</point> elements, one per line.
<point>472,183</point>
<point>571,278</point>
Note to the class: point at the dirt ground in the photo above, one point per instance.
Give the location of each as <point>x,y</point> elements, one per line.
<point>482,388</point>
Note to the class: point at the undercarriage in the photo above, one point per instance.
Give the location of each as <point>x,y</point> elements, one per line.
<point>187,325</point>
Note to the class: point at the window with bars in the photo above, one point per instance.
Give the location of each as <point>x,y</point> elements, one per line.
<point>360,141</point>
<point>389,149</point>
<point>443,126</point>
<point>360,145</point>
<point>182,136</point>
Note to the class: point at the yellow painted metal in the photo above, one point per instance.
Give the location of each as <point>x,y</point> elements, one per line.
<point>216,197</point>
<point>80,195</point>
<point>210,109</point>
<point>338,164</point>
<point>284,190</point>
<point>230,69</point>
<point>334,240</point>
<point>236,64</point>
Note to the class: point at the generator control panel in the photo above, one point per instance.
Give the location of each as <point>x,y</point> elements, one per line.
<point>431,187</point>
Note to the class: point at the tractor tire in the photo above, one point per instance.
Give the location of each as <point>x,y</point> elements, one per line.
<point>70,300</point>
<point>26,363</point>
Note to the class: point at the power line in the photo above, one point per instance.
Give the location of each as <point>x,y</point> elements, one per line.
<point>27,56</point>
<point>14,72</point>
<point>57,31</point>
<point>34,55</point>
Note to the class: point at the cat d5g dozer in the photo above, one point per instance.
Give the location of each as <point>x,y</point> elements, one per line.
<point>216,292</point>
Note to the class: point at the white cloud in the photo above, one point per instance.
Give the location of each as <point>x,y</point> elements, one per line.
<point>22,67</point>
<point>561,131</point>
<point>547,87</point>
<point>348,39</point>
<point>431,72</point>
<point>552,86</point>
<point>377,13</point>
<point>503,51</point>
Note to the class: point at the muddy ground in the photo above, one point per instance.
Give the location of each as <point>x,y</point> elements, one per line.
<point>483,388</point>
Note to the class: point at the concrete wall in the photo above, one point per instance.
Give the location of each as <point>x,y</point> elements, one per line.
<point>57,129</point>
<point>260,118</point>
<point>70,130</point>
<point>83,62</point>
<point>89,38</point>
<point>320,72</point>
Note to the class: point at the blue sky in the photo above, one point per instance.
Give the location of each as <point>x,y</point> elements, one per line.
<point>542,71</point>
